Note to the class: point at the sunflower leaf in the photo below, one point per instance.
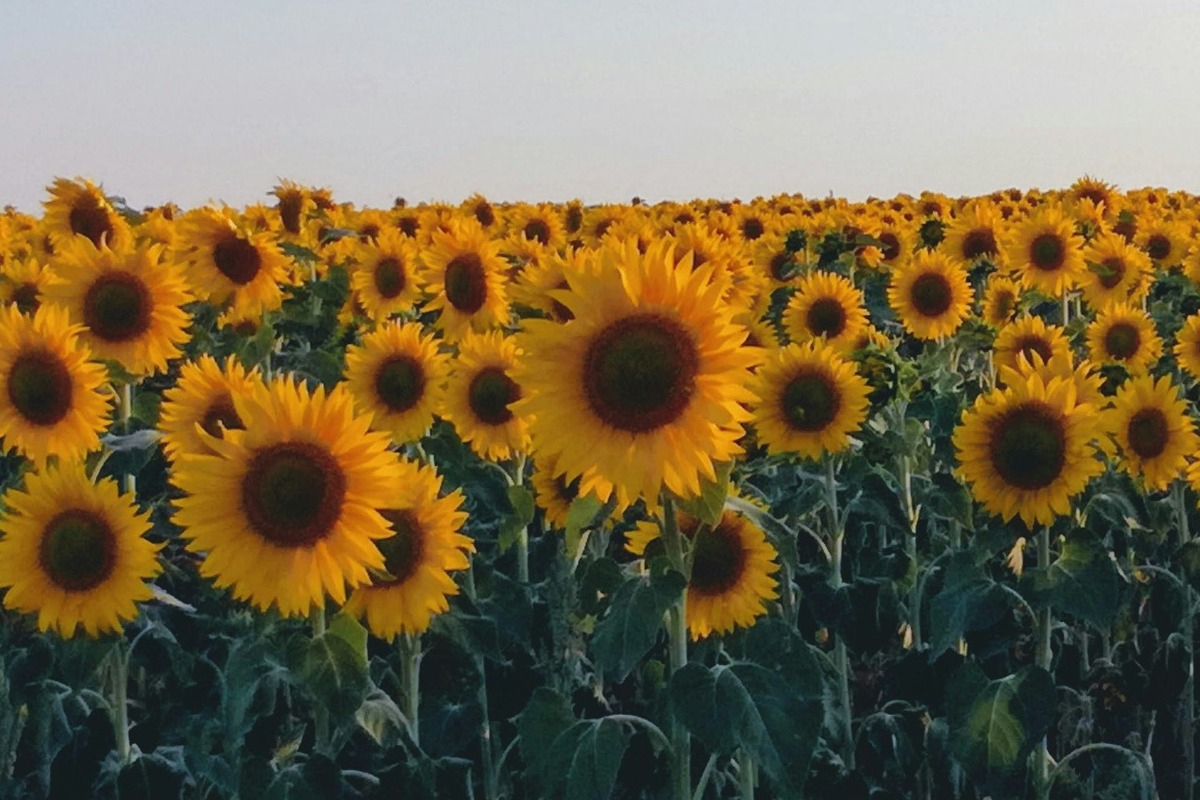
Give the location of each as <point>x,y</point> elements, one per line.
<point>1083,581</point>
<point>521,500</point>
<point>708,505</point>
<point>586,757</point>
<point>633,622</point>
<point>582,514</point>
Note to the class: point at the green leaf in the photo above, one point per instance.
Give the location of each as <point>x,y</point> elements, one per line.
<point>633,622</point>
<point>588,756</point>
<point>156,775</point>
<point>584,513</point>
<point>708,505</point>
<point>949,499</point>
<point>545,717</point>
<point>335,671</point>
<point>349,629</point>
<point>969,601</point>
<point>752,708</point>
<point>994,725</point>
<point>521,500</point>
<point>380,717</point>
<point>146,407</point>
<point>1083,581</point>
<point>1187,557</point>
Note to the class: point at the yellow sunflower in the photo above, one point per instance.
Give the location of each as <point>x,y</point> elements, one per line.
<point>294,206</point>
<point>1000,300</point>
<point>931,295</point>
<point>1116,273</point>
<point>203,397</point>
<point>54,400</point>
<point>385,277</point>
<point>974,236</point>
<point>810,400</point>
<point>1026,450</point>
<point>22,282</point>
<point>540,225</point>
<point>1046,252</point>
<point>1165,241</point>
<point>732,571</point>
<point>398,375</point>
<point>484,212</point>
<point>481,393</point>
<point>649,376</point>
<point>826,305</point>
<point>1187,346</point>
<point>1150,423</point>
<point>1125,335</point>
<point>79,208</point>
<point>424,545</point>
<point>1028,335</point>
<point>464,275</point>
<point>74,553</point>
<point>129,304</point>
<point>286,512</point>
<point>226,260</point>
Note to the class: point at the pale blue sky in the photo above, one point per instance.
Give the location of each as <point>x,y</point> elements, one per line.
<point>599,100</point>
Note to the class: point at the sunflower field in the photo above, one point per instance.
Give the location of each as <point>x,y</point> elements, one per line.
<point>778,498</point>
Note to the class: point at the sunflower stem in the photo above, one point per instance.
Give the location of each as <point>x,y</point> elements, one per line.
<point>120,699</point>
<point>910,545</point>
<point>410,668</point>
<point>126,404</point>
<point>841,656</point>
<point>487,739</point>
<point>316,619</point>
<point>1066,306</point>
<point>1045,620</point>
<point>522,535</point>
<point>1179,500</point>
<point>677,633</point>
<point>746,775</point>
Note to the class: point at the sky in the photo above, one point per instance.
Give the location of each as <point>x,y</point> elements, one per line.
<point>558,99</point>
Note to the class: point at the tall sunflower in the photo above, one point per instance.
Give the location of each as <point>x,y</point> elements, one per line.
<point>294,206</point>
<point>540,225</point>
<point>974,236</point>
<point>80,208</point>
<point>649,376</point>
<point>481,209</point>
<point>481,395</point>
<point>1026,450</point>
<point>54,400</point>
<point>825,306</point>
<point>1166,241</point>
<point>397,375</point>
<point>1116,272</point>
<point>1000,300</point>
<point>22,282</point>
<point>425,544</point>
<point>1187,346</point>
<point>464,276</point>
<point>810,400</point>
<point>228,262</point>
<point>732,571</point>
<point>931,295</point>
<point>129,303</point>
<point>1125,335</point>
<point>286,512</point>
<point>1150,423</point>
<point>385,278</point>
<point>1046,252</point>
<point>1029,336</point>
<point>203,397</point>
<point>74,553</point>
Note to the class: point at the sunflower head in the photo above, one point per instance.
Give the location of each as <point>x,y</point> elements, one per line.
<point>825,306</point>
<point>1046,252</point>
<point>397,374</point>
<point>79,208</point>
<point>1149,421</point>
<point>931,295</point>
<point>1125,335</point>
<point>482,394</point>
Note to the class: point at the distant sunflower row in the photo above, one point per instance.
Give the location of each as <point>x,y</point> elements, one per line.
<point>617,351</point>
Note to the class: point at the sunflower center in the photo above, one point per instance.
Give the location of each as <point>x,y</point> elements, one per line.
<point>117,307</point>
<point>567,492</point>
<point>574,218</point>
<point>408,226</point>
<point>778,262</point>
<point>1048,252</point>
<point>466,283</point>
<point>484,214</point>
<point>1158,246</point>
<point>602,228</point>
<point>389,277</point>
<point>237,259</point>
<point>26,298</point>
<point>752,229</point>
<point>1112,272</point>
<point>491,393</point>
<point>891,245</point>
<point>810,401</point>
<point>289,211</point>
<point>40,387</point>
<point>639,373</point>
<point>400,382</point>
<point>826,317</point>
<point>1029,446</point>
<point>221,416</point>
<point>537,229</point>
<point>368,232</point>
<point>1004,304</point>
<point>718,559</point>
<point>293,492</point>
<point>90,219</point>
<point>78,550</point>
<point>402,550</point>
<point>1122,341</point>
<point>931,295</point>
<point>1125,228</point>
<point>979,242</point>
<point>1148,433</point>
<point>1031,345</point>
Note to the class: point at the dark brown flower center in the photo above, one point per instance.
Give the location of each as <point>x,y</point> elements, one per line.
<point>491,393</point>
<point>780,265</point>
<point>118,307</point>
<point>369,232</point>
<point>221,416</point>
<point>26,298</point>
<point>1048,252</point>
<point>718,558</point>
<point>402,550</point>
<point>1111,272</point>
<point>537,230</point>
<point>752,228</point>
<point>389,277</point>
<point>639,373</point>
<point>40,387</point>
<point>408,226</point>
<point>292,493</point>
<point>1028,447</point>
<point>237,259</point>
<point>891,245</point>
<point>1122,340</point>
<point>1148,433</point>
<point>1126,228</point>
<point>574,219</point>
<point>484,213</point>
<point>1158,246</point>
<point>89,218</point>
<point>826,317</point>
<point>466,283</point>
<point>290,204</point>
<point>1031,345</point>
<point>1003,303</point>
<point>78,550</point>
<point>400,382</point>
<point>931,295</point>
<point>979,242</point>
<point>810,401</point>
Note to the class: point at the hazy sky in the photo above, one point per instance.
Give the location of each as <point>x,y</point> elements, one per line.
<point>599,100</point>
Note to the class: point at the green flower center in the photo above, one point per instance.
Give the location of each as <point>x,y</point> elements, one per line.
<point>1029,446</point>
<point>466,283</point>
<point>40,387</point>
<point>400,382</point>
<point>237,259</point>
<point>491,393</point>
<point>1148,433</point>
<point>78,550</point>
<point>117,307</point>
<point>810,401</point>
<point>293,492</point>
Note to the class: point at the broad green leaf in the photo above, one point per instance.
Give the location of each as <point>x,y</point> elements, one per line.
<point>380,717</point>
<point>949,499</point>
<point>587,757</point>
<point>1187,557</point>
<point>336,673</point>
<point>1083,581</point>
<point>969,601</point>
<point>152,776</point>
<point>545,717</point>
<point>994,725</point>
<point>349,629</point>
<point>584,513</point>
<point>521,500</point>
<point>633,622</point>
<point>708,505</point>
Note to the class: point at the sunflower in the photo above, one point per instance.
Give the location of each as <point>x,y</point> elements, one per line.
<point>648,377</point>
<point>79,208</point>
<point>480,395</point>
<point>1046,252</point>
<point>1165,241</point>
<point>539,225</point>
<point>285,511</point>
<point>1000,300</point>
<point>74,554</point>
<point>203,396</point>
<point>732,571</point>
<point>398,375</point>
<point>385,278</point>
<point>1150,423</point>
<point>1122,334</point>
<point>484,212</point>
<point>599,221</point>
<point>1094,190</point>
<point>464,274</point>
<point>22,282</point>
<point>1187,346</point>
<point>129,304</point>
<point>811,400</point>
<point>54,400</point>
<point>294,206</point>
<point>931,295</point>
<point>826,305</point>
<point>1116,273</point>
<point>424,545</point>
<point>1087,378</point>
<point>226,261</point>
<point>1026,450</point>
<point>740,282</point>
<point>974,236</point>
<point>533,286</point>
<point>1028,335</point>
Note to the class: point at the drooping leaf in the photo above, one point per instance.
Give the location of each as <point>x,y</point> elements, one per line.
<point>335,671</point>
<point>521,500</point>
<point>586,757</point>
<point>1083,581</point>
<point>968,601</point>
<point>152,776</point>
<point>633,622</point>
<point>546,716</point>
<point>583,513</point>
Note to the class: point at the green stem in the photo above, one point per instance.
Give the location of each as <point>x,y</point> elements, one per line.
<point>841,655</point>
<point>910,544</point>
<point>410,668</point>
<point>120,699</point>
<point>1045,620</point>
<point>126,408</point>
<point>746,775</point>
<point>316,619</point>
<point>1066,313</point>
<point>1179,500</point>
<point>677,636</point>
<point>487,738</point>
<point>523,535</point>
